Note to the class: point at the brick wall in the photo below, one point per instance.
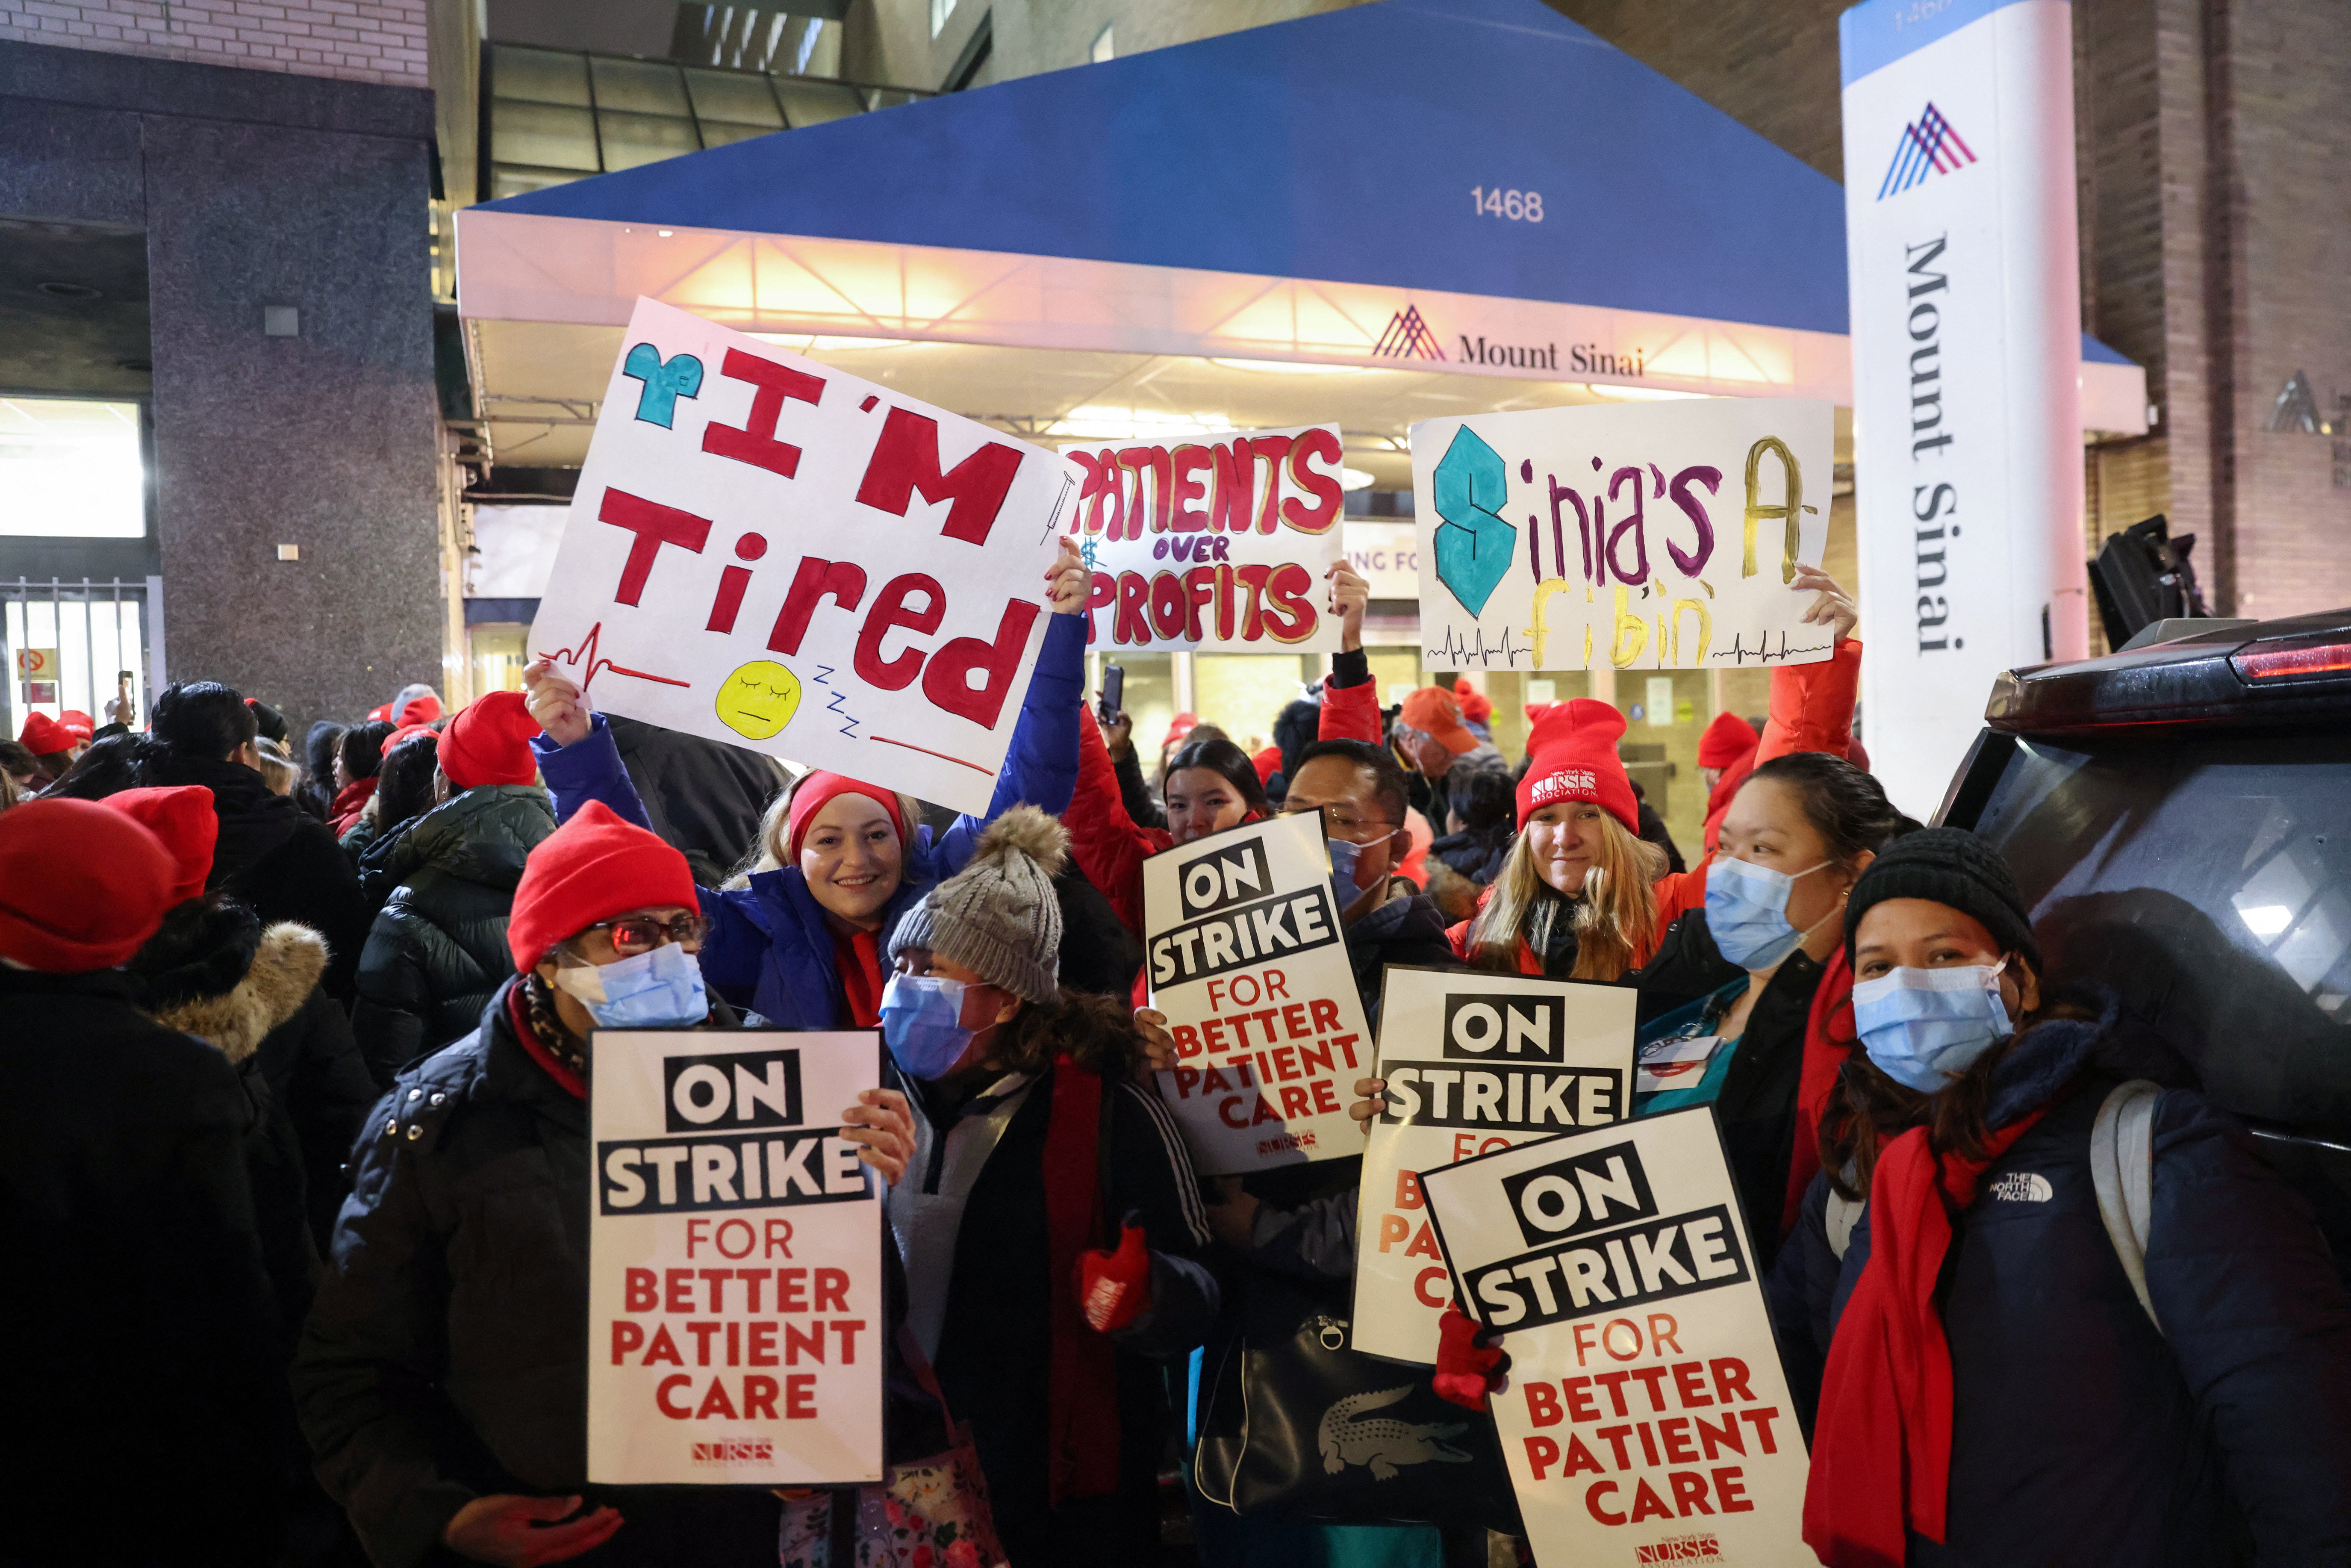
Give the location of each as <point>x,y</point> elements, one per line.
<point>350,40</point>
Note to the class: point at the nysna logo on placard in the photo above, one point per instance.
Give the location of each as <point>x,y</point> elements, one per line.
<point>1929,145</point>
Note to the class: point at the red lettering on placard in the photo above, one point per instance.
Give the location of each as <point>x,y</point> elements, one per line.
<point>1273,448</point>
<point>1325,487</point>
<point>905,463</point>
<point>1234,489</point>
<point>947,682</point>
<point>1185,516</point>
<point>755,442</point>
<point>889,613</point>
<point>654,526</point>
<point>842,581</point>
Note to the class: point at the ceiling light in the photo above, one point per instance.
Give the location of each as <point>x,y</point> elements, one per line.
<point>1636,394</point>
<point>2267,919</point>
<point>804,343</point>
<point>1285,366</point>
<point>1353,479</point>
<point>665,233</point>
<point>1097,422</point>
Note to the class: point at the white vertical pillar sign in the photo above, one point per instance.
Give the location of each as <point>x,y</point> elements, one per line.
<point>1967,336</point>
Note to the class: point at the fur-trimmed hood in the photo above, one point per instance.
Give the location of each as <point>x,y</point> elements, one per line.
<point>287,967</point>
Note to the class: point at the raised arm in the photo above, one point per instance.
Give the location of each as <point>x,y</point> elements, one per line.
<point>1350,698</point>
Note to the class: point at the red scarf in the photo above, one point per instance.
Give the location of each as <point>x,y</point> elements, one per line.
<point>1081,1400</point>
<point>350,801</point>
<point>1824,1058</point>
<point>1882,1446</point>
<point>518,1015</point>
<point>858,962</point>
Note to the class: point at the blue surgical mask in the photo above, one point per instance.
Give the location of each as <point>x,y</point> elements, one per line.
<point>1923,1028</point>
<point>1747,913</point>
<point>659,988</point>
<point>1344,853</point>
<point>921,1020</point>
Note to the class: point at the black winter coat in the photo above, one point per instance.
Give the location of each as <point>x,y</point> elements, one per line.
<point>447,1356</point>
<point>438,948</point>
<point>2081,1436</point>
<point>1756,1103</point>
<point>279,862</point>
<point>705,797</point>
<point>145,1397</point>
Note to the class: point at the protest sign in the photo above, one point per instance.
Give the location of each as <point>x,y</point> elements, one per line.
<point>1243,947</point>
<point>1218,544</point>
<point>1647,1418</point>
<point>766,551</point>
<point>1655,536</point>
<point>1474,1063</point>
<point>735,1312</point>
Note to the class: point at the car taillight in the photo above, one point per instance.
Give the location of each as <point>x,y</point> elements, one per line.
<point>2318,657</point>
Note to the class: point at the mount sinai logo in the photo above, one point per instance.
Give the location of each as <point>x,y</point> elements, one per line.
<point>1927,146</point>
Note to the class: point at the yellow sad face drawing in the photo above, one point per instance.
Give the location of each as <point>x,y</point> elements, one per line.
<point>757,700</point>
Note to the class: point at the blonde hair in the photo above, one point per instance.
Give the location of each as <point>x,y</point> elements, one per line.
<point>770,849</point>
<point>1616,913</point>
<point>278,770</point>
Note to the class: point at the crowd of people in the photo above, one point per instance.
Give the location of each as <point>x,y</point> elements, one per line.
<point>295,1171</point>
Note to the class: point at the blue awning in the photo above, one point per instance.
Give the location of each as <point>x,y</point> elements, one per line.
<point>1354,147</point>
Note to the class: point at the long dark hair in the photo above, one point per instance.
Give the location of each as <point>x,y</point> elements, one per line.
<point>404,779</point>
<point>1096,1033</point>
<point>1227,761</point>
<point>110,766</point>
<point>1845,806</point>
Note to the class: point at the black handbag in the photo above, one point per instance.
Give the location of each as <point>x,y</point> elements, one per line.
<point>1295,1424</point>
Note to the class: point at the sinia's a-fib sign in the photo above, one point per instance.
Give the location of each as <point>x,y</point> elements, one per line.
<point>767,551</point>
<point>1651,535</point>
<point>736,1321</point>
<point>1218,544</point>
<point>1474,1063</point>
<point>1646,1418</point>
<point>1246,959</point>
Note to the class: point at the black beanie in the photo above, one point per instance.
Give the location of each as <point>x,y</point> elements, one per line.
<point>1952,866</point>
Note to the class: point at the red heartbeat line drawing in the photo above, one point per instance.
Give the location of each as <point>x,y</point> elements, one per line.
<point>587,651</point>
<point>926,751</point>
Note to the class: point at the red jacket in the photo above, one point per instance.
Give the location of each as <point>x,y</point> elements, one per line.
<point>1105,842</point>
<point>1811,710</point>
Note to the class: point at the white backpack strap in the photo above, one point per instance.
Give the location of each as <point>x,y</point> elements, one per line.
<point>1840,1216</point>
<point>2122,1167</point>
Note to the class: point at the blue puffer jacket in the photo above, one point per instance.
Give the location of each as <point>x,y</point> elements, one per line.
<point>769,947</point>
<point>2082,1436</point>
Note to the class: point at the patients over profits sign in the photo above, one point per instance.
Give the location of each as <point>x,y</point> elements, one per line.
<point>734,1262</point>
<point>768,552</point>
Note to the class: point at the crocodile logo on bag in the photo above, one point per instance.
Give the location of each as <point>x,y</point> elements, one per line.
<point>1381,1443</point>
<point>2023,1187</point>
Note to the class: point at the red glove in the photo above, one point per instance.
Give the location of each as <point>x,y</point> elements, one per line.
<point>1114,1287</point>
<point>1466,1371</point>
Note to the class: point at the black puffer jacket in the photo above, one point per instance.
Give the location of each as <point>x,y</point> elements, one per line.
<point>145,1341</point>
<point>703,796</point>
<point>447,1356</point>
<point>2082,1434</point>
<point>278,861</point>
<point>438,948</point>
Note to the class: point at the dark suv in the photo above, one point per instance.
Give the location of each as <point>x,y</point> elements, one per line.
<point>2179,817</point>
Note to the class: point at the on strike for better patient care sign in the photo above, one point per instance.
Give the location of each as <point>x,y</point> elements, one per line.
<point>1646,1419</point>
<point>735,1261</point>
<point>1246,959</point>
<point>1474,1063</point>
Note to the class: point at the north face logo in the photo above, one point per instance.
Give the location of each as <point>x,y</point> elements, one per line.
<point>2022,1186</point>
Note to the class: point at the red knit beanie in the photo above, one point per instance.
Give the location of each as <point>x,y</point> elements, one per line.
<point>1726,740</point>
<point>821,787</point>
<point>78,725</point>
<point>425,709</point>
<point>1573,746</point>
<point>182,818</point>
<point>1477,707</point>
<point>593,867</point>
<point>45,737</point>
<point>82,887</point>
<point>488,742</point>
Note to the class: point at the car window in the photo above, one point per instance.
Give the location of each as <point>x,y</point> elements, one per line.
<point>2207,880</point>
